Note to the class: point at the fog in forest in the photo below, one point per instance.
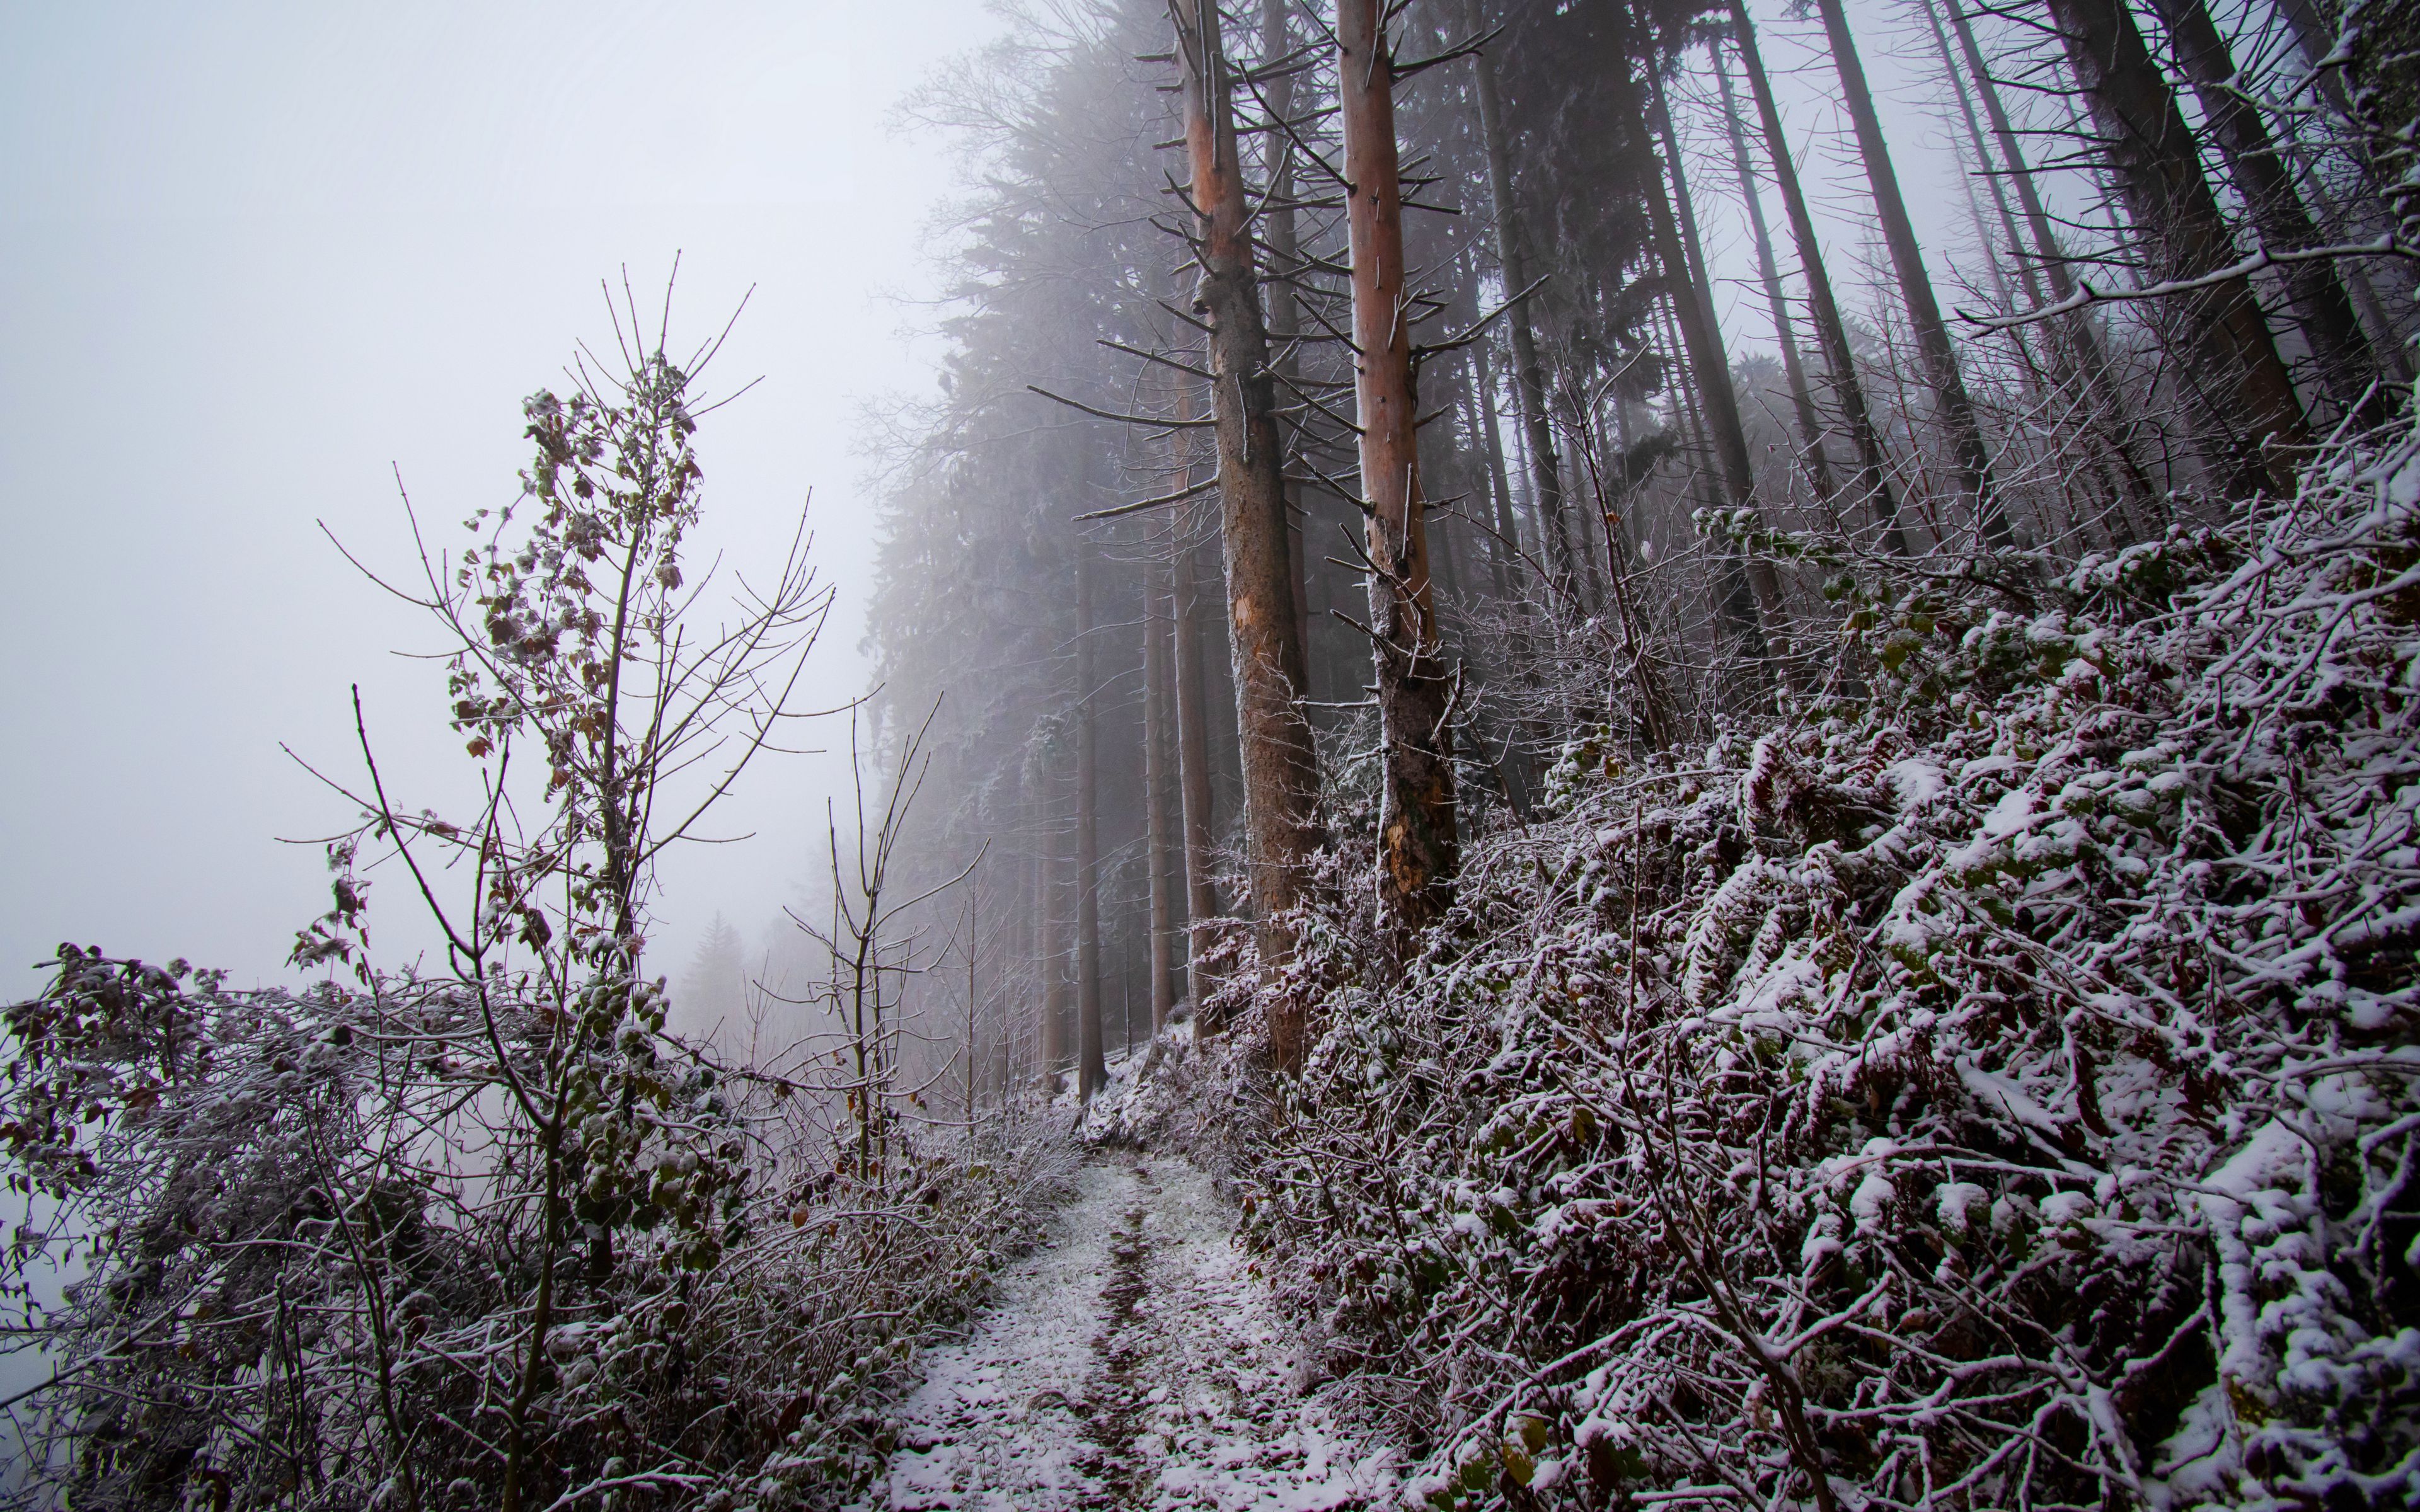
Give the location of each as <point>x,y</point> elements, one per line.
<point>270,257</point>
<point>1328,754</point>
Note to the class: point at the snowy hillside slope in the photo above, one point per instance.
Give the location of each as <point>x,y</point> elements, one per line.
<point>1994,1088</point>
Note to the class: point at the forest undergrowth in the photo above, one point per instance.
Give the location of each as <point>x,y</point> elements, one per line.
<point>1987,1085</point>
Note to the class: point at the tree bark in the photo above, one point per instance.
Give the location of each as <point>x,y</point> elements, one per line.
<point>1056,928</point>
<point>2082,334</point>
<point>1802,399</point>
<point>1157,749</point>
<point>1193,780</point>
<point>1986,170</point>
<point>1916,286</point>
<point>2253,161</point>
<point>1693,302</point>
<point>1281,767</point>
<point>1190,683</point>
<point>1418,847</point>
<point>1832,334</point>
<point>2259,421</point>
<point>1735,608</point>
<point>1529,374</point>
<point>1501,561</point>
<point>1277,234</point>
<point>2317,39</point>
<point>1090,1074</point>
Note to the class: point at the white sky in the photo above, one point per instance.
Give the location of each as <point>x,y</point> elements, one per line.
<point>256,253</point>
<point>253,254</point>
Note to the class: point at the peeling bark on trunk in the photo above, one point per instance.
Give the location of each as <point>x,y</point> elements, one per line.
<point>2259,421</point>
<point>1281,767</point>
<point>1418,847</point>
<point>1916,286</point>
<point>1873,468</point>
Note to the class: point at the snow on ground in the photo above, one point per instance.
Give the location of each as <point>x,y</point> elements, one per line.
<point>1135,1361</point>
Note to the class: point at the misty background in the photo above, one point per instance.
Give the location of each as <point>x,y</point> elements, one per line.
<point>260,259</point>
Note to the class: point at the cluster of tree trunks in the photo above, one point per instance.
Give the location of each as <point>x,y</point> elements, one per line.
<point>1239,410</point>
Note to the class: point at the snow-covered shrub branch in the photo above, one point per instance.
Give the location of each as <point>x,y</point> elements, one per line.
<point>1992,1089</point>
<point>491,1236</point>
<point>310,1237</point>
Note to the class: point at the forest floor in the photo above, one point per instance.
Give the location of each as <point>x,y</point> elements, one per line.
<point>1134,1360</point>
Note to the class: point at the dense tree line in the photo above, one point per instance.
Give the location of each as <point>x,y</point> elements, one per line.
<point>1340,419</point>
<point>1841,935</point>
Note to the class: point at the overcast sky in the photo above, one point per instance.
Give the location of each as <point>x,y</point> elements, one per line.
<point>258,259</point>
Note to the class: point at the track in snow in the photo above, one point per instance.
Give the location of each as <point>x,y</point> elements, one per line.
<point>1134,1362</point>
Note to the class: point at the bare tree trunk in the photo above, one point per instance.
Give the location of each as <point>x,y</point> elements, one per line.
<point>1693,302</point>
<point>1281,767</point>
<point>1056,927</point>
<point>1418,847</point>
<point>1278,234</point>
<point>1193,780</point>
<point>1156,749</point>
<point>1802,399</point>
<point>1090,1072</point>
<point>2320,306</point>
<point>1873,468</point>
<point>1529,374</point>
<point>2151,156</point>
<point>1986,170</point>
<point>1735,609</point>
<point>1916,286</point>
<point>2082,334</point>
<point>1508,535</point>
<point>2315,37</point>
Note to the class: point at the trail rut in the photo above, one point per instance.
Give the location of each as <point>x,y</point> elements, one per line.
<point>1135,1361</point>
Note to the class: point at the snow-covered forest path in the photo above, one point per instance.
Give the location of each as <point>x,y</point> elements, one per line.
<point>1135,1361</point>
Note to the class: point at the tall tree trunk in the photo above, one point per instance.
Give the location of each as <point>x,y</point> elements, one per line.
<point>1529,374</point>
<point>1831,333</point>
<point>1193,780</point>
<point>1916,286</point>
<point>2065,370</point>
<point>2316,36</point>
<point>1693,302</point>
<point>1802,399</point>
<point>1986,170</point>
<point>1059,924</point>
<point>2230,354</point>
<point>1735,608</point>
<point>1191,681</point>
<point>2320,307</point>
<point>1285,316</point>
<point>1090,1074</point>
<point>1157,749</point>
<point>2114,415</point>
<point>1418,848</point>
<point>1281,767</point>
<point>1502,558</point>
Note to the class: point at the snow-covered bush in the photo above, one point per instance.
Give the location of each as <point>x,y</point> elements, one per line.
<point>490,1236</point>
<point>309,1247</point>
<point>1991,1089</point>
